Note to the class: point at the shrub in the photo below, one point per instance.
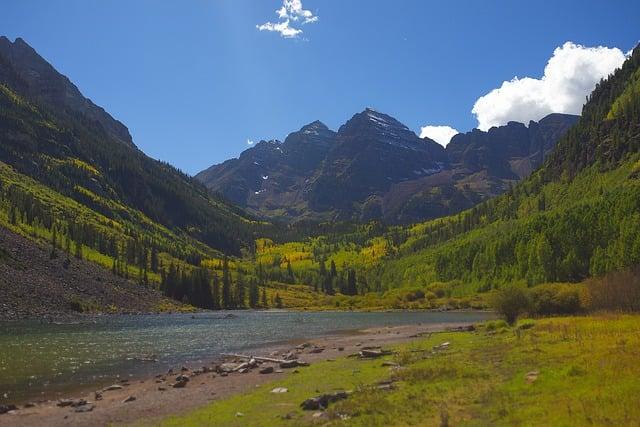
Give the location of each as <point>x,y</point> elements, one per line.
<point>414,295</point>
<point>555,298</point>
<point>495,324</point>
<point>615,291</point>
<point>510,302</point>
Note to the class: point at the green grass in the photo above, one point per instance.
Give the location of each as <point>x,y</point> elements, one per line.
<point>587,368</point>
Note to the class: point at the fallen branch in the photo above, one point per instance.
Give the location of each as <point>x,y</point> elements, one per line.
<point>261,359</point>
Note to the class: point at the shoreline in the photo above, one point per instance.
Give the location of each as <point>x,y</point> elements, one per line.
<point>156,398</point>
<point>80,317</point>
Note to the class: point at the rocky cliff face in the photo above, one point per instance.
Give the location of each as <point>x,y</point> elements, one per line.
<point>22,68</point>
<point>374,167</point>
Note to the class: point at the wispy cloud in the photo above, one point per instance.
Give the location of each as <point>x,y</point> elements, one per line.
<point>291,16</point>
<point>250,142</point>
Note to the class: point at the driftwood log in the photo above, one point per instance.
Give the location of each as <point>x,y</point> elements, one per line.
<point>259,358</point>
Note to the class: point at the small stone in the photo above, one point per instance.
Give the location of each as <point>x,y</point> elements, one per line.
<point>84,408</point>
<point>71,402</point>
<point>129,399</point>
<point>267,370</point>
<point>279,390</point>
<point>532,376</point>
<point>113,387</point>
<point>162,389</point>
<point>239,414</point>
<point>6,408</point>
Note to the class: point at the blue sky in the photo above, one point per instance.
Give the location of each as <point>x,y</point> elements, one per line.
<point>193,80</point>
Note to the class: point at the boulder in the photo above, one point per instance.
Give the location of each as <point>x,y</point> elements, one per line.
<point>84,408</point>
<point>6,408</point>
<point>228,367</point>
<point>323,401</point>
<point>182,378</point>
<point>71,402</point>
<point>267,370</point>
<point>288,364</point>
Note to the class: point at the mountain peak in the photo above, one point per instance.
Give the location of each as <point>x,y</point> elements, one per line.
<point>314,128</point>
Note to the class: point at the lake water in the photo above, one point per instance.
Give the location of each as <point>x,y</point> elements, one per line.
<point>40,360</point>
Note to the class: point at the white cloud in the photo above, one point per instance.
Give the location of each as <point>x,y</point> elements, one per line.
<point>250,142</point>
<point>440,134</point>
<point>291,11</point>
<point>569,76</point>
<point>283,28</point>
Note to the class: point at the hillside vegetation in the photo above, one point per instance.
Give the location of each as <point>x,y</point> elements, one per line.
<point>577,217</point>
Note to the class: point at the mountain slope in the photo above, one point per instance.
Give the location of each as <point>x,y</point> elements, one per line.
<point>52,133</point>
<point>375,168</point>
<point>23,69</point>
<point>577,217</point>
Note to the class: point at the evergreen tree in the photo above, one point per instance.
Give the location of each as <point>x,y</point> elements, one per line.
<point>215,292</point>
<point>240,292</point>
<point>54,243</point>
<point>333,271</point>
<point>352,288</point>
<point>226,285</point>
<point>290,275</point>
<point>264,303</point>
<point>78,250</point>
<point>254,293</point>
<point>154,259</point>
<point>278,301</point>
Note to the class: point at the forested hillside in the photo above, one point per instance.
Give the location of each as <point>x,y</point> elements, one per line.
<point>72,181</point>
<point>576,217</point>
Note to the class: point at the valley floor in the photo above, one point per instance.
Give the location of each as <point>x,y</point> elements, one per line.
<point>559,371</point>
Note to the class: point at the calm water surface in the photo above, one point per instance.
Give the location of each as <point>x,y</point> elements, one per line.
<point>46,360</point>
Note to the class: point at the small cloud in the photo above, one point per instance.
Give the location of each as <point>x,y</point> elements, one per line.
<point>291,13</point>
<point>283,28</point>
<point>440,134</point>
<point>249,142</point>
<point>569,76</point>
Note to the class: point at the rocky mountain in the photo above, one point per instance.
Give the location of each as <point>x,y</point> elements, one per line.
<point>22,68</point>
<point>50,132</point>
<point>374,167</point>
